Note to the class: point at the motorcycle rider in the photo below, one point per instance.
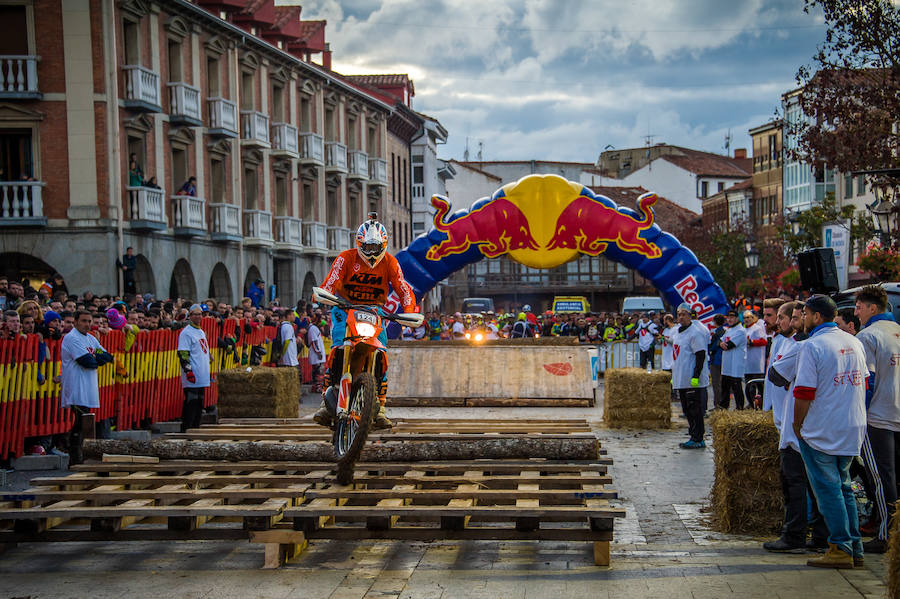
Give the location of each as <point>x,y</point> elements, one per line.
<point>361,276</point>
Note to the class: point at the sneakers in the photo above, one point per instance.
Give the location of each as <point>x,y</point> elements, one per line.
<point>693,445</point>
<point>782,546</point>
<point>833,558</point>
<point>817,544</point>
<point>875,546</point>
<point>59,452</point>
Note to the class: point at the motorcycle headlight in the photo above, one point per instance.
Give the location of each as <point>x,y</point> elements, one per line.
<point>479,337</point>
<point>365,329</point>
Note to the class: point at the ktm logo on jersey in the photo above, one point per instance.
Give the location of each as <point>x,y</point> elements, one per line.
<point>366,278</point>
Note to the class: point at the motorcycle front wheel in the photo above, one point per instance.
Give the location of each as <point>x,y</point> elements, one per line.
<point>351,431</point>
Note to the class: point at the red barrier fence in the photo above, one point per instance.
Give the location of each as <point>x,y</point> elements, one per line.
<point>149,392</point>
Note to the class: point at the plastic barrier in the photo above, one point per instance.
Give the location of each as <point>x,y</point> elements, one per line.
<point>150,391</point>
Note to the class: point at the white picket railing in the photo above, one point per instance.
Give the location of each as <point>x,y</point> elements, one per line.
<point>289,232</point>
<point>21,201</point>
<point>257,227</point>
<point>222,114</point>
<point>312,147</point>
<point>378,171</point>
<point>141,84</point>
<point>339,239</point>
<point>284,138</point>
<point>315,236</point>
<point>184,101</point>
<point>189,212</point>
<point>336,156</point>
<point>146,204</point>
<point>226,219</point>
<point>255,127</point>
<point>359,165</point>
<point>18,74</point>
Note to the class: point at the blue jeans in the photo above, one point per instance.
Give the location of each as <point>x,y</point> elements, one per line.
<point>829,476</point>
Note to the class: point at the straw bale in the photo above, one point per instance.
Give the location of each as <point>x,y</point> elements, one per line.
<point>746,494</point>
<point>259,393</point>
<point>635,398</point>
<point>893,556</point>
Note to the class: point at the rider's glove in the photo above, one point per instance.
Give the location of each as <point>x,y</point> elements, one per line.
<point>695,382</point>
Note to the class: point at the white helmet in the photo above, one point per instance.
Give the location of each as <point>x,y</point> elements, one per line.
<point>371,240</point>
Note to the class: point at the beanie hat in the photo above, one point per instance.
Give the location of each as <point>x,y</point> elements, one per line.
<point>115,318</point>
<point>50,316</point>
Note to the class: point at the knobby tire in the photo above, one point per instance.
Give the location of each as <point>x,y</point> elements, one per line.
<point>362,399</point>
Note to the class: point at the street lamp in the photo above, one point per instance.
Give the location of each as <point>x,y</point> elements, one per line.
<point>883,209</point>
<point>751,256</point>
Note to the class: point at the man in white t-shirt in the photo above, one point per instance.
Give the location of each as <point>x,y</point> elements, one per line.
<point>668,357</point>
<point>733,344</point>
<point>316,355</point>
<point>794,484</point>
<point>288,340</point>
<point>830,423</point>
<point>755,360</point>
<point>458,330</point>
<point>80,356</point>
<point>646,334</point>
<point>195,357</point>
<point>690,374</point>
<point>880,336</point>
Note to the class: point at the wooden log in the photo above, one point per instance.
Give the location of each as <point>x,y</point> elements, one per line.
<point>554,447</point>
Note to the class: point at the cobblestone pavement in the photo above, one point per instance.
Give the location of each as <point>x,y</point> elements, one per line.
<point>663,548</point>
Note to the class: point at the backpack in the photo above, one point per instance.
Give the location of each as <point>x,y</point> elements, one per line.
<point>277,346</point>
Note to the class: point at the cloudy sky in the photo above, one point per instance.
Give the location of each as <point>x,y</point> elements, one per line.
<point>562,79</point>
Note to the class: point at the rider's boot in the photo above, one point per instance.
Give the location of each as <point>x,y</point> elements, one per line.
<point>381,419</point>
<point>323,415</point>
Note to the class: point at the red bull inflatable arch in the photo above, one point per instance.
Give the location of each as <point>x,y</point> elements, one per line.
<point>543,221</point>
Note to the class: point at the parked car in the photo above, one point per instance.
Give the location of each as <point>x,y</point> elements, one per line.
<point>845,298</point>
<point>642,303</point>
<point>477,305</point>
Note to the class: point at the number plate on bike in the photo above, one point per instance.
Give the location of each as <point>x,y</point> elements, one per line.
<point>365,317</point>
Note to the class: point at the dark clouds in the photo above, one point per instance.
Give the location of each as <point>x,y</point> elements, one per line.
<point>561,79</point>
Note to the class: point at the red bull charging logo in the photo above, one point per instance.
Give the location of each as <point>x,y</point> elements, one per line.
<point>543,221</point>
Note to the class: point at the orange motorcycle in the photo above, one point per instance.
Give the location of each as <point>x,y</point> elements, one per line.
<point>364,363</point>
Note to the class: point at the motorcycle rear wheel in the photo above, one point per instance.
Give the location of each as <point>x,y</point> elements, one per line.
<point>350,433</point>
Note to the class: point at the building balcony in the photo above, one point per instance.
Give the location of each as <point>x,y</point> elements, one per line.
<point>146,209</point>
<point>258,228</point>
<point>359,165</point>
<point>284,140</point>
<point>189,213</point>
<point>21,204</point>
<point>222,117</point>
<point>288,233</point>
<point>338,239</point>
<point>315,238</point>
<point>142,89</point>
<point>226,222</point>
<point>312,149</point>
<point>254,129</point>
<point>378,172</point>
<point>184,105</point>
<point>18,77</point>
<point>335,157</point>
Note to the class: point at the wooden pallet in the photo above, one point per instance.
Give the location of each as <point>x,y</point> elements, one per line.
<point>284,504</point>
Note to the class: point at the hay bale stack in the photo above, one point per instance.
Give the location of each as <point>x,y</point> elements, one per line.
<point>260,393</point>
<point>635,398</point>
<point>893,556</point>
<point>746,495</point>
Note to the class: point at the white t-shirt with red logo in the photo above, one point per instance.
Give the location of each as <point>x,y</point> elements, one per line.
<point>834,364</point>
<point>733,359</point>
<point>193,340</point>
<point>783,404</point>
<point>668,354</point>
<point>79,385</point>
<point>780,345</point>
<point>881,339</point>
<point>685,345</point>
<point>755,362</point>
<point>646,333</point>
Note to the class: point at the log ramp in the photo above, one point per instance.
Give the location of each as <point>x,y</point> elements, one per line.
<point>283,502</point>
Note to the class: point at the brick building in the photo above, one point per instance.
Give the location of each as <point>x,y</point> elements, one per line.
<point>288,155</point>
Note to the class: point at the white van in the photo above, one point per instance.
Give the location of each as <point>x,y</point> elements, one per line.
<point>642,303</point>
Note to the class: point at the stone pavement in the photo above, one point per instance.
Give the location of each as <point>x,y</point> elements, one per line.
<point>663,548</point>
